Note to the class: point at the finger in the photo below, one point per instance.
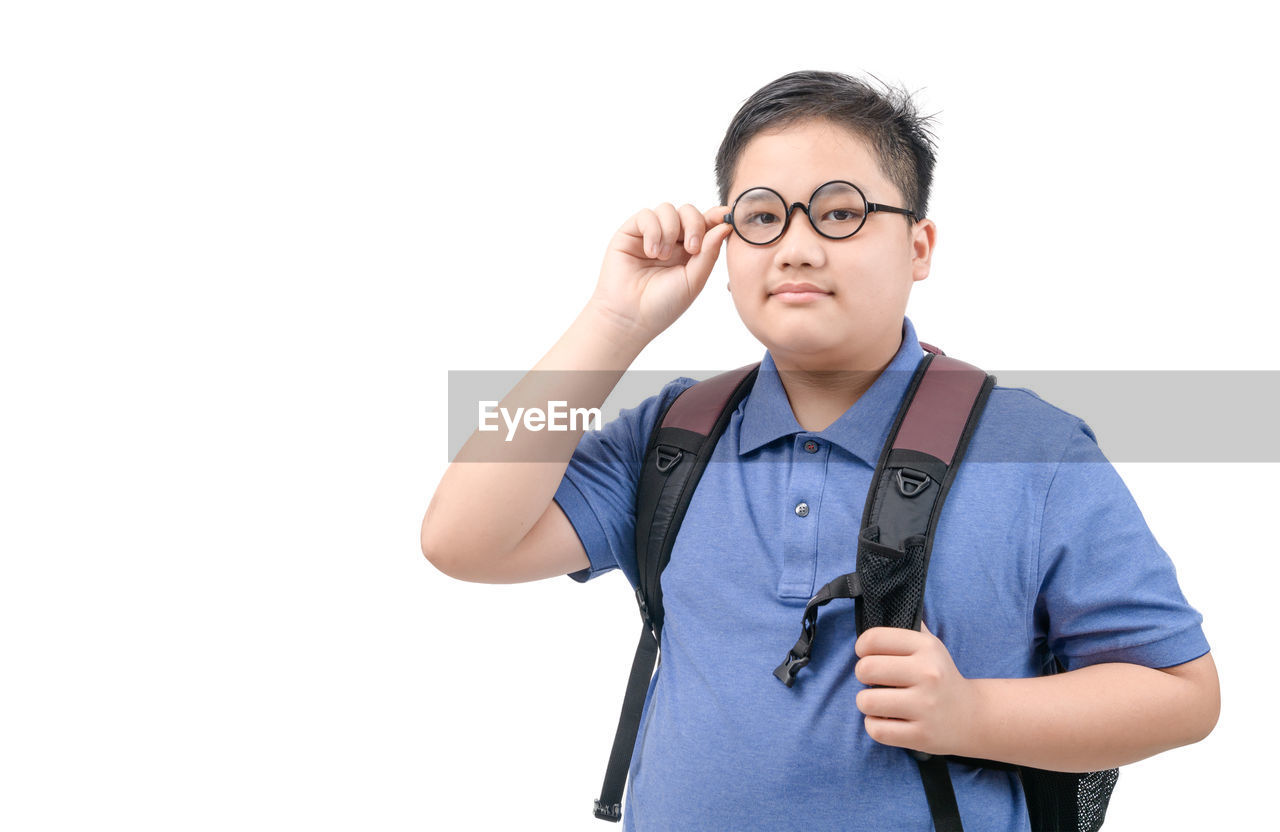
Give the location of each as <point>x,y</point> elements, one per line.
<point>891,641</point>
<point>896,732</point>
<point>886,703</point>
<point>670,219</point>
<point>715,216</point>
<point>644,228</point>
<point>693,227</point>
<point>700,265</point>
<point>888,671</point>
<point>651,231</point>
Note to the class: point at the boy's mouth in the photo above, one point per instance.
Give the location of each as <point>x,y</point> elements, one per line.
<point>798,292</point>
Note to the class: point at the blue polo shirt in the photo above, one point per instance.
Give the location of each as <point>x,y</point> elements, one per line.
<point>1040,548</point>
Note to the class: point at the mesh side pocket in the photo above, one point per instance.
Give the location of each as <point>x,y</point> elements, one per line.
<point>892,582</point>
<point>1093,795</point>
<point>1060,801</point>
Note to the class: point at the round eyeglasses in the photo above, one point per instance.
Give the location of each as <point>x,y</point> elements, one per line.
<point>837,210</point>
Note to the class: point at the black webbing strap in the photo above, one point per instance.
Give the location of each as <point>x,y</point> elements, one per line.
<point>679,447</point>
<point>845,586</point>
<point>939,792</point>
<point>609,804</point>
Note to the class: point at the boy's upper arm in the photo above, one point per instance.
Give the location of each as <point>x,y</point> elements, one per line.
<point>1202,669</point>
<point>549,548</point>
<point>1202,674</point>
<point>588,527</point>
<point>1107,591</point>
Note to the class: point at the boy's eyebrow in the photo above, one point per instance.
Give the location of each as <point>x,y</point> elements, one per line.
<point>733,199</point>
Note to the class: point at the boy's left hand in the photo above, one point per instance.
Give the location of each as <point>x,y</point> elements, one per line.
<point>926,704</point>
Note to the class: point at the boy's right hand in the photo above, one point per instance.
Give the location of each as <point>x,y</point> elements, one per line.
<point>655,266</point>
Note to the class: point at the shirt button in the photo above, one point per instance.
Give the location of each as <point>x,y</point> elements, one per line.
<point>811,446</point>
<point>802,509</point>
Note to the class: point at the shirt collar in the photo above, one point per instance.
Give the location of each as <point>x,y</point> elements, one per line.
<point>861,430</point>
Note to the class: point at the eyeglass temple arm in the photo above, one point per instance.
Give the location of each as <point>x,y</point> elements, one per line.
<point>875,206</point>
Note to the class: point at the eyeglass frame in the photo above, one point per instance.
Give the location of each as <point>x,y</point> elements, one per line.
<point>872,207</point>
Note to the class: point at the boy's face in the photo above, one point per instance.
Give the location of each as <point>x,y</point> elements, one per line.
<point>856,321</point>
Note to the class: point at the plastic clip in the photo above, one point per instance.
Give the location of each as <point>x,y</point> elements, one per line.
<point>644,613</point>
<point>644,606</point>
<point>786,672</point>
<point>611,812</point>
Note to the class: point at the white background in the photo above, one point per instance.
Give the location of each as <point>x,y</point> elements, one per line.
<point>243,243</point>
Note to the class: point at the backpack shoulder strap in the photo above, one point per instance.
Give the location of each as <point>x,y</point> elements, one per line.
<point>679,447</point>
<point>917,465</point>
<point>916,469</point>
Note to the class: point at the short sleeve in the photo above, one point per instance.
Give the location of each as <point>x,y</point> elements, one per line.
<point>598,491</point>
<point>1107,591</point>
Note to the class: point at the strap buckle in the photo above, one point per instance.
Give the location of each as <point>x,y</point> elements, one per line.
<point>644,613</point>
<point>786,672</point>
<point>610,812</point>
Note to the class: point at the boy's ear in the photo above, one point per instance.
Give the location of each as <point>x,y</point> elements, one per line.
<point>923,239</point>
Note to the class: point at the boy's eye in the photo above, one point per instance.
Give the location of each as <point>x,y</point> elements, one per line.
<point>843,215</point>
<point>761,218</point>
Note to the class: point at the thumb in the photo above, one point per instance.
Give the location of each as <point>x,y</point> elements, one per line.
<point>699,266</point>
<point>924,628</point>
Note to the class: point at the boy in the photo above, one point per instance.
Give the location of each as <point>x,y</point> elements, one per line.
<point>1047,556</point>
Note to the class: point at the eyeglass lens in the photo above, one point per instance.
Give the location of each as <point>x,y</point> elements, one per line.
<point>838,210</point>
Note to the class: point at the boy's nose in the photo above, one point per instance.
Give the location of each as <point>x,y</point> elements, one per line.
<point>803,248</point>
<point>791,218</point>
<point>798,214</point>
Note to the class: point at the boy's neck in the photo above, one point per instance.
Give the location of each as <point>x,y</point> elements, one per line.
<point>820,397</point>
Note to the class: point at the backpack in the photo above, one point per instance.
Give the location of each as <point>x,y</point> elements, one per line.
<point>917,465</point>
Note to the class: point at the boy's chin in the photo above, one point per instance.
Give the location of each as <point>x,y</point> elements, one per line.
<point>806,345</point>
<point>818,350</point>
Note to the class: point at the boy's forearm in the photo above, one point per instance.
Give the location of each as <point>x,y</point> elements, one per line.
<point>509,477</point>
<point>1093,718</point>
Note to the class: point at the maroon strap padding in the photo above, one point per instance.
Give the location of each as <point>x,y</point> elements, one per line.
<point>936,417</point>
<point>699,405</point>
<point>931,348</point>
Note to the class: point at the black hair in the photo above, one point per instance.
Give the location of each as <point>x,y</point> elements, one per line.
<point>887,120</point>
